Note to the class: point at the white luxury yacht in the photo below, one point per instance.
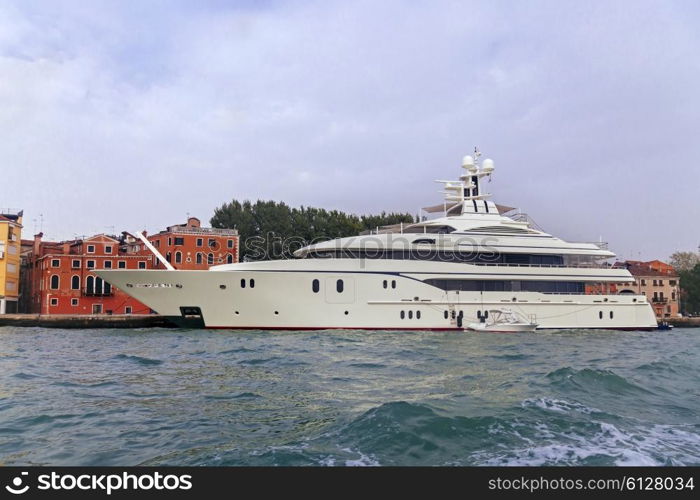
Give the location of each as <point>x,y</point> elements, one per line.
<point>438,274</point>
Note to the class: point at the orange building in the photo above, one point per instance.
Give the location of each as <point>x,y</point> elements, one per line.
<point>658,281</point>
<point>59,278</point>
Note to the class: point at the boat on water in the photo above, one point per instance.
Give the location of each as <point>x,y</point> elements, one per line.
<point>502,321</point>
<point>436,274</point>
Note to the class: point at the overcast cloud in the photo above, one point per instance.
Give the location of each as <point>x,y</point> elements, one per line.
<point>129,115</point>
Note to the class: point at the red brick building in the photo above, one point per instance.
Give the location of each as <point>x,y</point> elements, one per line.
<point>58,277</point>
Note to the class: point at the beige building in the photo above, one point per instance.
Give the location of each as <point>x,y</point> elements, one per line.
<point>10,237</point>
<point>658,281</point>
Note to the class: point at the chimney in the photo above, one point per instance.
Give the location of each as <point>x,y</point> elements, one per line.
<point>37,244</point>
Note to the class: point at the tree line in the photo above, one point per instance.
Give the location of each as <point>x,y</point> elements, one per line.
<point>688,266</point>
<point>270,229</point>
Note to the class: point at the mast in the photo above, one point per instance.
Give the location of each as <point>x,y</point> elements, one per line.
<point>467,191</point>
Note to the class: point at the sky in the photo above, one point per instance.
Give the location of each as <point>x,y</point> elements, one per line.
<point>129,115</point>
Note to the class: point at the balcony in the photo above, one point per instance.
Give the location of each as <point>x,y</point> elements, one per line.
<point>97,293</point>
<point>659,300</point>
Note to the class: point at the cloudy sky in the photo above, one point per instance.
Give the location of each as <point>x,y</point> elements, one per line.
<point>128,115</point>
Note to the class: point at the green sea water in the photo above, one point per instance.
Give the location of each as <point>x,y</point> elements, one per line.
<point>336,398</point>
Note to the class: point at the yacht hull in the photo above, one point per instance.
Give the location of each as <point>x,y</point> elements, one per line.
<point>243,297</point>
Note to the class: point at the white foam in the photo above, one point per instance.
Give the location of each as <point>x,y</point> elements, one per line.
<point>559,405</point>
<point>640,446</point>
<point>362,461</point>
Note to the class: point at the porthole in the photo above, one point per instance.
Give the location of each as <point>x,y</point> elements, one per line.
<point>223,287</point>
<point>410,314</point>
<point>277,312</point>
<point>237,312</point>
<point>403,315</point>
<point>611,315</point>
<point>339,286</point>
<point>393,283</point>
<point>447,315</point>
<point>346,313</point>
<point>252,283</point>
<point>417,314</point>
<point>315,286</point>
<point>600,314</point>
<point>385,284</point>
<point>242,283</point>
<point>454,315</point>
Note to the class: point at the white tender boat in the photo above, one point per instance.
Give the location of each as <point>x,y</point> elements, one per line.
<point>502,321</point>
<point>436,274</point>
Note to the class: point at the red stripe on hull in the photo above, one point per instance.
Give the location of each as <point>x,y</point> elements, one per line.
<point>311,328</point>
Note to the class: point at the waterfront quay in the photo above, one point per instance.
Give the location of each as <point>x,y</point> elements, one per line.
<point>86,321</point>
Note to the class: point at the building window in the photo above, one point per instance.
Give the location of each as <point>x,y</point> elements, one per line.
<point>127,310</point>
<point>90,264</point>
<point>200,242</point>
<point>655,283</point>
<point>91,249</point>
<point>179,241</point>
<point>210,258</point>
<point>661,282</point>
<point>230,243</point>
<point>55,263</point>
<point>169,256</point>
<point>644,282</point>
<point>673,295</point>
<point>108,248</point>
<point>212,242</point>
<point>672,282</point>
<point>54,282</point>
<point>54,301</point>
<point>74,302</point>
<point>142,265</point>
<point>178,255</point>
<point>315,286</point>
<point>90,285</point>
<point>229,259</point>
<point>75,283</point>
<point>199,256</point>
<point>121,264</point>
<point>339,286</point>
<point>75,264</point>
<point>170,241</point>
<point>97,309</point>
<point>108,264</point>
<point>156,244</point>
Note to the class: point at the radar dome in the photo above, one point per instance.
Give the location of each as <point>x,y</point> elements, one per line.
<point>487,166</point>
<point>468,161</point>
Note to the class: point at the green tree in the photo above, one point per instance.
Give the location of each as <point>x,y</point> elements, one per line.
<point>270,229</point>
<point>690,289</point>
<point>684,261</point>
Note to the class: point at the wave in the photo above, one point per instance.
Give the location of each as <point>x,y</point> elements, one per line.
<point>138,359</point>
<point>593,380</point>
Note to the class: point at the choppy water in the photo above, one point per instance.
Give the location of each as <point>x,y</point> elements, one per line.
<point>193,397</point>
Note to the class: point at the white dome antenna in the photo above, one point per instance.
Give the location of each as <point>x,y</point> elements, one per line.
<point>487,166</point>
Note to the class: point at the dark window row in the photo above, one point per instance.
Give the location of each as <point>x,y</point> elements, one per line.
<point>403,314</point>
<point>251,283</point>
<point>442,256</point>
<point>316,286</point>
<point>600,314</point>
<point>385,284</point>
<point>508,286</point>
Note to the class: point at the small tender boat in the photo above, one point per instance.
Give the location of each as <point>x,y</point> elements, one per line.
<point>502,321</point>
<point>665,325</point>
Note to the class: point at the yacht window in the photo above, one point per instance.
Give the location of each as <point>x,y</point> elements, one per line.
<point>384,284</point>
<point>417,314</point>
<point>446,314</point>
<point>410,314</point>
<point>315,286</point>
<point>252,283</point>
<point>600,314</point>
<point>243,283</point>
<point>393,283</point>
<point>611,315</point>
<point>339,286</point>
<point>403,315</point>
